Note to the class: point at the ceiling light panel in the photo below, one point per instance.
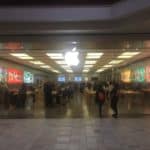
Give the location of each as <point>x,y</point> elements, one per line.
<point>88,66</point>
<point>124,57</point>
<point>88,62</point>
<point>70,71</point>
<point>107,66</point>
<point>21,56</point>
<point>94,54</point>
<point>100,70</point>
<point>61,62</point>
<point>113,62</point>
<point>45,66</point>
<point>93,57</point>
<point>37,62</point>
<point>54,54</point>
<point>85,70</point>
<point>130,53</point>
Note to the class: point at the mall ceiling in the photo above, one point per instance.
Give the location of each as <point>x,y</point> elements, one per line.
<point>111,30</point>
<point>56,2</point>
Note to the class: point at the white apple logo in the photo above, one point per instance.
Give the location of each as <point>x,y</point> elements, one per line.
<point>71,58</point>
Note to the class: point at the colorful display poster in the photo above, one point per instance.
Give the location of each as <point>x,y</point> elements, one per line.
<point>139,74</point>
<point>77,79</point>
<point>28,77</point>
<point>126,76</point>
<point>61,79</point>
<point>14,76</point>
<point>3,74</point>
<point>147,73</point>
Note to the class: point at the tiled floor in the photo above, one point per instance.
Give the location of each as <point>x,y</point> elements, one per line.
<point>75,134</point>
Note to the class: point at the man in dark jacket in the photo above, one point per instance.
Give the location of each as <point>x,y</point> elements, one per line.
<point>114,99</point>
<point>100,98</point>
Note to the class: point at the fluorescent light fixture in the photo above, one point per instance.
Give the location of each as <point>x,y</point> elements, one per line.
<point>100,70</point>
<point>54,54</point>
<point>124,57</point>
<point>45,66</point>
<point>85,70</point>
<point>69,70</point>
<point>94,54</point>
<point>93,57</point>
<point>22,56</point>
<point>19,54</point>
<point>88,66</point>
<point>26,58</point>
<point>74,49</point>
<point>130,53</point>
<point>61,62</point>
<point>107,66</point>
<point>57,57</point>
<point>37,62</point>
<point>56,71</point>
<point>90,62</point>
<point>113,62</point>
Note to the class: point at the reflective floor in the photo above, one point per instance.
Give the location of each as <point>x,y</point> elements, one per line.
<point>81,106</point>
<point>75,134</point>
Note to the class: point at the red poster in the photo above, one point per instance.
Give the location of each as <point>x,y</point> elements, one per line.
<point>147,75</point>
<point>15,76</point>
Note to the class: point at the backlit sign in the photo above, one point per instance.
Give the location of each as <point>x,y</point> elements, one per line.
<point>147,73</point>
<point>28,77</point>
<point>14,76</point>
<point>126,76</point>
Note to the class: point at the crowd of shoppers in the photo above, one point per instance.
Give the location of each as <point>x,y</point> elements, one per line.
<point>17,98</point>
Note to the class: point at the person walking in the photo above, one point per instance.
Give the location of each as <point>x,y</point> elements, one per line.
<point>114,99</point>
<point>100,98</point>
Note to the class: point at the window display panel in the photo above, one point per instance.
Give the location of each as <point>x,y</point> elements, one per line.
<point>139,74</point>
<point>3,74</point>
<point>126,76</point>
<point>14,76</point>
<point>147,73</point>
<point>28,77</point>
<point>77,79</point>
<point>61,79</point>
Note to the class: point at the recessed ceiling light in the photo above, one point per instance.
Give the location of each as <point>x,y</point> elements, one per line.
<point>100,70</point>
<point>88,66</point>
<point>107,66</point>
<point>37,62</point>
<point>56,71</point>
<point>45,66</point>
<point>94,54</point>
<point>88,62</point>
<point>124,57</point>
<point>21,56</point>
<point>61,62</point>
<point>130,53</point>
<point>85,70</point>
<point>54,54</point>
<point>113,62</point>
<point>69,70</point>
<point>57,57</point>
<point>93,57</point>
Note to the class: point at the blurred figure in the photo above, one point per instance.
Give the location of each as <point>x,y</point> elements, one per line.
<point>114,95</point>
<point>100,98</point>
<point>22,95</point>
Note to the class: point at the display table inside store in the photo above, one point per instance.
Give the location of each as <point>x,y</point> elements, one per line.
<point>131,92</point>
<point>146,90</point>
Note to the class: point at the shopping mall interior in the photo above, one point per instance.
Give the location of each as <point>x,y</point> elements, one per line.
<point>75,75</point>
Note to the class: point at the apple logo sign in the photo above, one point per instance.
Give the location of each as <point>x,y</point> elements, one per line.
<point>71,58</point>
